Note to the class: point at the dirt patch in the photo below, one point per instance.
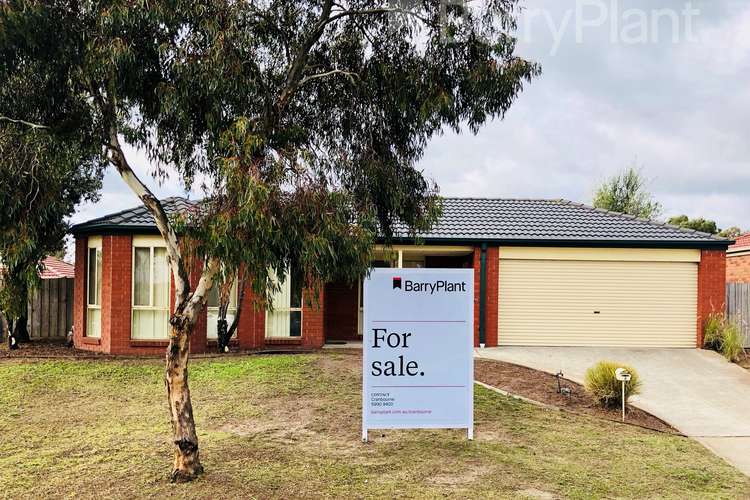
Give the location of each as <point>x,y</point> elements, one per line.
<point>45,349</point>
<point>744,361</point>
<point>542,387</point>
<point>467,476</point>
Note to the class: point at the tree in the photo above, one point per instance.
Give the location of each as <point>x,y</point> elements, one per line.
<point>731,232</point>
<point>626,193</point>
<point>42,181</point>
<point>699,224</point>
<point>304,119</point>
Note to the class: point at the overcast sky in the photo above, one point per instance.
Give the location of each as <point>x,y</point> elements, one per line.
<point>614,92</point>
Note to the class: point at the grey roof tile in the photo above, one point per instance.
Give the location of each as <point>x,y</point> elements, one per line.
<point>486,219</point>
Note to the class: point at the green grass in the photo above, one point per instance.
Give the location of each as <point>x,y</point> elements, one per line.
<point>289,426</point>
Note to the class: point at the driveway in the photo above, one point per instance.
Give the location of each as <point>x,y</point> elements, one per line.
<point>695,391</point>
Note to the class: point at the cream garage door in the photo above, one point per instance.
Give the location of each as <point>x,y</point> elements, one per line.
<point>597,297</point>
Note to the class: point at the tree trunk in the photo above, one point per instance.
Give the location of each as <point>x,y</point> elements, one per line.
<point>187,463</point>
<point>223,335</point>
<point>21,330</point>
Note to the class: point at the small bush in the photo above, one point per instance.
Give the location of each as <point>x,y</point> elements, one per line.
<point>724,336</point>
<point>601,383</point>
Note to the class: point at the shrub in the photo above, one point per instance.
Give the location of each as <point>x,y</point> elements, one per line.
<point>724,336</point>
<point>601,383</point>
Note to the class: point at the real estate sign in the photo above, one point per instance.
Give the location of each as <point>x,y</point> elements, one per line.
<point>418,340</point>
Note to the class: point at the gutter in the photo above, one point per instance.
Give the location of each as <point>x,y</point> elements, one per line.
<point>717,244</point>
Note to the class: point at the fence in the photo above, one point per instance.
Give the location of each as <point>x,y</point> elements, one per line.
<point>51,309</point>
<point>738,306</point>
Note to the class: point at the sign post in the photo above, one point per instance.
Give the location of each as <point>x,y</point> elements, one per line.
<point>418,346</point>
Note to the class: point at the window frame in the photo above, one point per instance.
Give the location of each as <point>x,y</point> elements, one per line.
<point>288,309</point>
<point>152,243</point>
<point>94,243</point>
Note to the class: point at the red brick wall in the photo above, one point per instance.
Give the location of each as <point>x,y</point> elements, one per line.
<point>711,287</point>
<point>117,265</point>
<point>313,319</point>
<point>738,268</point>
<point>491,301</point>
<point>251,328</point>
<point>341,312</point>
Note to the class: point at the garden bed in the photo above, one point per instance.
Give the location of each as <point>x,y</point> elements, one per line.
<point>542,387</point>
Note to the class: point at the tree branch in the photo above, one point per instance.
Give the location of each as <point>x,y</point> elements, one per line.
<point>295,71</point>
<point>381,10</point>
<point>349,74</point>
<point>34,126</point>
<point>153,205</point>
<point>294,77</point>
<point>199,297</point>
<point>236,321</point>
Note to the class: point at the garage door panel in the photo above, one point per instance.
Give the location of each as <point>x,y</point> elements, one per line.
<point>597,303</point>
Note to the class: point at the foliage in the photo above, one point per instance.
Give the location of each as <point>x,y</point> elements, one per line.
<point>626,193</point>
<point>601,383</point>
<point>731,232</point>
<point>41,182</point>
<point>302,117</point>
<point>700,224</point>
<point>724,335</point>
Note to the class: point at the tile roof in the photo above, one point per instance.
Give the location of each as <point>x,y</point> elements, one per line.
<point>134,219</point>
<point>54,268</point>
<point>559,220</point>
<point>743,241</point>
<point>525,221</point>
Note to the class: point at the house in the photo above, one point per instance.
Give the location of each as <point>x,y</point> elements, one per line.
<point>547,272</point>
<point>738,260</point>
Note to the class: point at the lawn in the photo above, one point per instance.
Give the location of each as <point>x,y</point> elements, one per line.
<point>288,426</point>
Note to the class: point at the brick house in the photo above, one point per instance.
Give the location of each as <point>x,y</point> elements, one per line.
<point>738,260</point>
<point>547,272</point>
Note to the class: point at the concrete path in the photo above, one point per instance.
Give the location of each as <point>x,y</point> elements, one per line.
<point>696,391</point>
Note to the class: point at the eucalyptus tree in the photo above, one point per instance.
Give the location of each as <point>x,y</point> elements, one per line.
<point>304,120</point>
<point>41,182</point>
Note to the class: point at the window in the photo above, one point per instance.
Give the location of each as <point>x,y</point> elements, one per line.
<point>94,288</point>
<point>150,290</point>
<point>213,310</point>
<point>286,318</point>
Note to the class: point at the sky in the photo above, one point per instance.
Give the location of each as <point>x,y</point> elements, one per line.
<point>664,86</point>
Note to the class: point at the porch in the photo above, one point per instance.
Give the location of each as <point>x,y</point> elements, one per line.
<point>344,301</point>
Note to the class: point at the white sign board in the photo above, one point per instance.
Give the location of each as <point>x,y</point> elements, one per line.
<point>418,346</point>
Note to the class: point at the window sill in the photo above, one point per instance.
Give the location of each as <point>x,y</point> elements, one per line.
<point>92,340</point>
<point>232,341</point>
<point>283,340</point>
<point>148,343</point>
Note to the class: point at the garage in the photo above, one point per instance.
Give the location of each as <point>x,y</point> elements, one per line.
<point>598,297</point>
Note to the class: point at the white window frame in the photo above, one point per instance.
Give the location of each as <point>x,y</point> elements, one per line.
<point>288,309</point>
<point>150,242</point>
<point>94,243</point>
<point>231,311</point>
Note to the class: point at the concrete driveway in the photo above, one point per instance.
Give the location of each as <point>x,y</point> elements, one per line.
<point>695,391</point>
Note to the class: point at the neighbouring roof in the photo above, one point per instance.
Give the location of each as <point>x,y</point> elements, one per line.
<point>509,221</point>
<point>742,243</point>
<point>54,268</point>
